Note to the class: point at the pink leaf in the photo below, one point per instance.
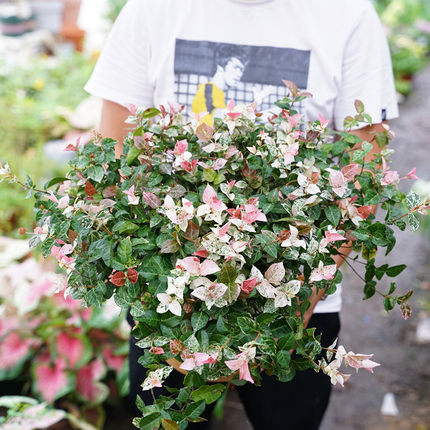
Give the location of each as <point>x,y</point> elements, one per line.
<point>390,177</point>
<point>275,273</point>
<point>201,253</point>
<point>234,115</point>
<point>411,174</point>
<point>323,121</point>
<point>223,230</point>
<point>219,164</point>
<point>338,183</point>
<point>209,195</point>
<point>248,285</point>
<point>131,108</point>
<point>231,151</point>
<point>189,264</point>
<point>180,147</point>
<point>204,132</point>
<point>50,380</point>
<point>323,272</point>
<point>333,237</point>
<point>86,378</point>
<point>364,211</point>
<point>350,171</point>
<point>151,200</point>
<point>70,348</point>
<point>208,267</point>
<point>294,120</point>
<point>188,364</point>
<point>13,349</point>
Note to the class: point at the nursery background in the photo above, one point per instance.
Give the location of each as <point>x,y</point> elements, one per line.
<point>47,51</point>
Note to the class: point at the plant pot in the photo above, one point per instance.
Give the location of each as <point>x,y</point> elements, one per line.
<point>71,12</point>
<point>16,26</point>
<point>175,364</point>
<point>49,14</point>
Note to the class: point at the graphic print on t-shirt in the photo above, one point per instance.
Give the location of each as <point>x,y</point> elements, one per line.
<point>209,74</point>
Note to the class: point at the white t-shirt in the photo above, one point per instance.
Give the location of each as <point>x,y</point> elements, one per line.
<point>181,50</point>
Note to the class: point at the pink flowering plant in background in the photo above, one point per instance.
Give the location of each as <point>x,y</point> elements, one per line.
<point>217,237</point>
<point>57,347</point>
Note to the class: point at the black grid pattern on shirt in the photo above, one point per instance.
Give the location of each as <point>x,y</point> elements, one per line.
<point>186,86</point>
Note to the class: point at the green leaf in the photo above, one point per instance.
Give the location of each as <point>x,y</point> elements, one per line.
<point>154,268</point>
<point>394,271</point>
<point>133,153</point>
<point>287,342</point>
<point>149,317</point>
<point>96,173</point>
<point>414,223</point>
<point>371,197</point>
<point>209,175</point>
<point>150,422</point>
<point>369,290</point>
<point>393,287</point>
<point>358,156</point>
<point>218,410</point>
<point>366,147</point>
<point>268,242</point>
<point>137,310</point>
<point>333,215</point>
<point>220,325</point>
<point>193,379</point>
<point>126,227</point>
<point>155,220</point>
<point>54,181</point>
<point>246,325</point>
<point>122,299</point>
<point>283,359</point>
<point>265,319</point>
<point>389,303</point>
<point>208,393</point>
<point>199,320</point>
<point>125,250</point>
<point>413,200</point>
<point>194,410</point>
<point>368,253</point>
<point>228,275</point>
<point>220,177</point>
<point>150,113</point>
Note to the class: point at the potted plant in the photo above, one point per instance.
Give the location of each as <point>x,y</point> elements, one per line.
<point>217,237</point>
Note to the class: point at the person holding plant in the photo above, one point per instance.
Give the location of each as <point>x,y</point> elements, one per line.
<point>163,51</point>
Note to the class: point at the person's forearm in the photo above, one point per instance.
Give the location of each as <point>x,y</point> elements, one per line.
<point>113,124</point>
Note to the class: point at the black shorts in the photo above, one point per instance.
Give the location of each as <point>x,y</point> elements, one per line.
<point>297,405</point>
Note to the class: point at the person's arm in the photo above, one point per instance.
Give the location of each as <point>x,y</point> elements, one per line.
<point>366,134</point>
<point>113,124</point>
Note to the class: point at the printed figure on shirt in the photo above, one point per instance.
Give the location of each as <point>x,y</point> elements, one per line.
<point>209,74</point>
<point>229,63</point>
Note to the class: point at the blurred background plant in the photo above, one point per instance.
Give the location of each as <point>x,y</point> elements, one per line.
<point>54,349</point>
<point>407,24</point>
<point>35,102</point>
<point>30,98</point>
<point>114,8</point>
